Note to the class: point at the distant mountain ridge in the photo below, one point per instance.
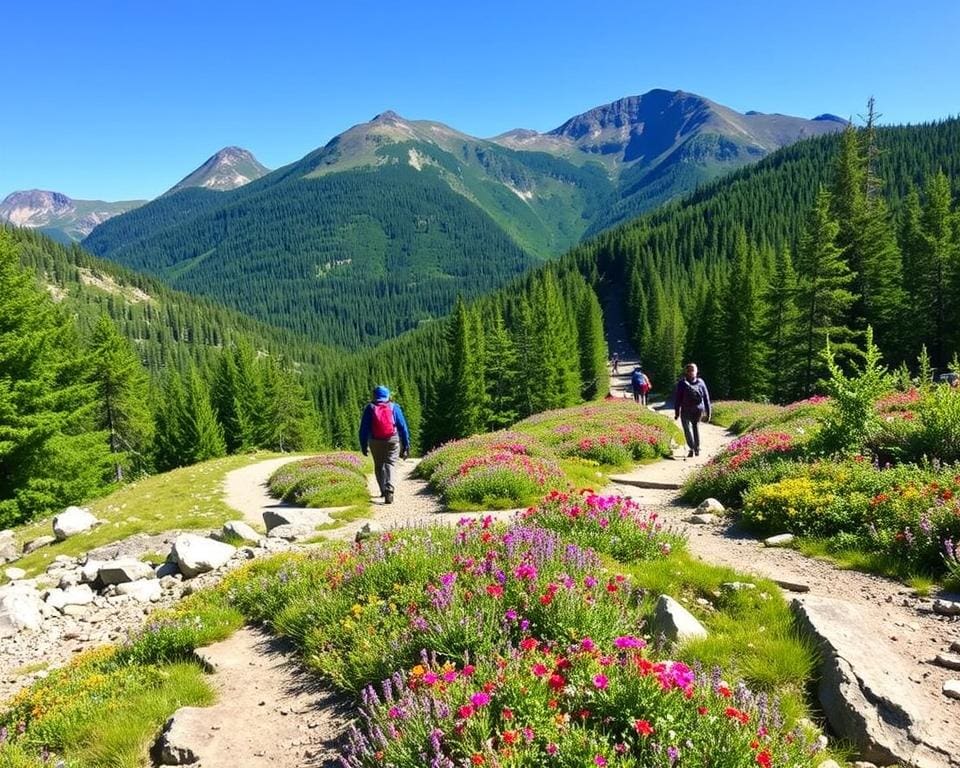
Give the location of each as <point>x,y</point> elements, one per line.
<point>67,220</point>
<point>58,215</point>
<point>381,228</point>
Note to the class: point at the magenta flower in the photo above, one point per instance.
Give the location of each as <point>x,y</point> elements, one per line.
<point>480,699</point>
<point>600,681</point>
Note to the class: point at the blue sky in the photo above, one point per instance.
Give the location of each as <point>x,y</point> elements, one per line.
<point>118,99</point>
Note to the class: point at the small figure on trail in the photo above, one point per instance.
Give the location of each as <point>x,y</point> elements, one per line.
<point>640,384</point>
<point>691,404</point>
<point>384,432</point>
<point>615,362</point>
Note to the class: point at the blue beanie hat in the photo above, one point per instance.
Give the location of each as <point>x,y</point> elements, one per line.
<point>381,393</point>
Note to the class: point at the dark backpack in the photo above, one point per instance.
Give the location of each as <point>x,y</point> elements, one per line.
<point>692,396</point>
<point>638,380</point>
<point>382,425</point>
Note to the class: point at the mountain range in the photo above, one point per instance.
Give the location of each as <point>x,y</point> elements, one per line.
<point>66,219</point>
<point>381,228</point>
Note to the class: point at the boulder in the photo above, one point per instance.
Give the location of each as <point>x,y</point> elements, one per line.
<point>274,518</point>
<point>675,622</point>
<point>737,586</point>
<point>829,764</point>
<point>946,607</point>
<point>711,507</point>
<point>15,574</point>
<point>143,591</point>
<point>37,543</point>
<point>61,598</point>
<point>948,660</point>
<point>71,521</point>
<point>124,570</point>
<point>879,713</point>
<point>368,530</point>
<point>240,529</point>
<point>90,571</point>
<point>197,554</point>
<point>701,518</point>
<point>780,540</point>
<point>292,532</point>
<point>20,608</point>
<point>951,689</point>
<point>9,551</point>
<point>177,742</point>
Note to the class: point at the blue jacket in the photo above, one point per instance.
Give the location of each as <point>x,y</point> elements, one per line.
<point>678,400</point>
<point>403,431</point>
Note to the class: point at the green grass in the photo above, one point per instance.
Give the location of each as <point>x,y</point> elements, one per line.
<point>187,498</point>
<point>853,559</point>
<point>121,737</point>
<point>752,635</point>
<point>343,516</point>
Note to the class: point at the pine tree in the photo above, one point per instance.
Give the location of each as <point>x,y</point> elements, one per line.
<point>290,416</point>
<point>555,344</point>
<point>746,373</point>
<point>122,398</point>
<point>593,347</point>
<point>169,447</point>
<point>823,296</point>
<point>524,338</point>
<point>500,368</point>
<point>779,328</point>
<point>51,453</point>
<point>201,432</point>
<point>937,263</point>
<point>462,392</point>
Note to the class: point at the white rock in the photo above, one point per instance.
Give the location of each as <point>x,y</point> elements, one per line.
<point>780,540</point>
<point>704,518</point>
<point>196,554</point>
<point>948,660</point>
<point>274,518</point>
<point>20,608</point>
<point>15,573</point>
<point>736,586</point>
<point>829,764</point>
<point>951,688</point>
<point>78,595</point>
<point>124,570</point>
<point>243,530</point>
<point>292,532</point>
<point>9,550</point>
<point>711,506</point>
<point>90,570</point>
<point>946,607</point>
<point>75,610</point>
<point>71,521</point>
<point>143,591</point>
<point>675,621</point>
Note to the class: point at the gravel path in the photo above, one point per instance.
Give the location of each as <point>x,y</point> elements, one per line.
<point>245,489</point>
<point>888,609</point>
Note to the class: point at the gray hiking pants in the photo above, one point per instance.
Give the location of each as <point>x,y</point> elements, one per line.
<point>385,454</point>
<point>691,428</point>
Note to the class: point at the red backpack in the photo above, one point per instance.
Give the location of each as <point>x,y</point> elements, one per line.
<point>383,426</point>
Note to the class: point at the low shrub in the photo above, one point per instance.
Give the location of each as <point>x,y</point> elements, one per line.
<point>614,525</point>
<point>740,416</point>
<point>328,480</point>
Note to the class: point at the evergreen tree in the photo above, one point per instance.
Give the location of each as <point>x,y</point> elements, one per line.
<point>122,398</point>
<point>780,327</point>
<point>555,345</point>
<point>524,338</point>
<point>937,263</point>
<point>460,407</point>
<point>51,453</point>
<point>169,447</point>
<point>201,432</point>
<point>500,368</point>
<point>289,418</point>
<point>593,347</point>
<point>745,370</point>
<point>823,296</point>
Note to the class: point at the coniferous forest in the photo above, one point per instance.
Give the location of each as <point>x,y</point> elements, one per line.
<point>749,276</point>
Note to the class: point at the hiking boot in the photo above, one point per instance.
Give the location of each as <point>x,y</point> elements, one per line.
<point>690,454</point>
<point>696,451</point>
<point>388,497</point>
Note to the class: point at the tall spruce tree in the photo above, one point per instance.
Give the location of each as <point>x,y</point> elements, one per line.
<point>745,348</point>
<point>823,295</point>
<point>290,419</point>
<point>500,369</point>
<point>593,347</point>
<point>201,432</point>
<point>555,346</point>
<point>122,389</point>
<point>779,328</point>
<point>51,453</point>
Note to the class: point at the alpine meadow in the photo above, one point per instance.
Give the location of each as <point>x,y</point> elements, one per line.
<point>431,440</point>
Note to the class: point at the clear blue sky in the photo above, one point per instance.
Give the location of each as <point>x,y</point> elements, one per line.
<point>118,99</point>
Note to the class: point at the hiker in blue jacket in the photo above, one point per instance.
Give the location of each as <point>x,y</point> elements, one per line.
<point>691,404</point>
<point>384,433</point>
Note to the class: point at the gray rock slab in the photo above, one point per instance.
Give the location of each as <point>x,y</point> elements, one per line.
<point>791,585</point>
<point>71,521</point>
<point>701,518</point>
<point>675,622</point>
<point>946,607</point>
<point>780,540</point>
<point>198,554</point>
<point>948,660</point>
<point>9,551</point>
<point>37,543</point>
<point>292,532</point>
<point>241,529</point>
<point>21,607</point>
<point>78,595</point>
<point>14,574</point>
<point>951,688</point>
<point>181,738</point>
<point>122,571</point>
<point>274,518</point>
<point>863,691</point>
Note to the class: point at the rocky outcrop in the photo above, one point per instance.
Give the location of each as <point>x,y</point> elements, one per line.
<point>864,699</point>
<point>122,571</point>
<point>675,622</point>
<point>197,554</point>
<point>37,543</point>
<point>238,529</point>
<point>21,607</point>
<point>173,747</point>
<point>9,551</point>
<point>71,521</point>
<point>295,516</point>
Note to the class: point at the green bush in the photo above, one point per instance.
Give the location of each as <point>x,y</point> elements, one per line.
<point>328,480</point>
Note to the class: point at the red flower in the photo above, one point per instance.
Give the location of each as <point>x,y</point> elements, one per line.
<point>763,759</point>
<point>643,727</point>
<point>477,759</point>
<point>556,682</point>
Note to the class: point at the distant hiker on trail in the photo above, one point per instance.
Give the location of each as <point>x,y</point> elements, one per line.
<point>615,362</point>
<point>384,431</point>
<point>691,404</point>
<point>640,384</point>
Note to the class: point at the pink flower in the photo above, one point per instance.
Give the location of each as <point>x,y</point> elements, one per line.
<point>628,641</point>
<point>599,760</point>
<point>480,699</point>
<point>588,645</point>
<point>600,681</point>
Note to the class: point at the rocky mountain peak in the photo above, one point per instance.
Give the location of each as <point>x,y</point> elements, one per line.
<point>229,168</point>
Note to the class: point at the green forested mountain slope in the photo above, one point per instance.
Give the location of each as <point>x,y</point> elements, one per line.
<point>166,326</point>
<point>384,226</point>
<point>733,276</point>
